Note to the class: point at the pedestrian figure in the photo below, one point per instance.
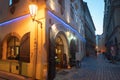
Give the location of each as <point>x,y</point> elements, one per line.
<point>113,54</point>
<point>64,61</point>
<point>78,62</point>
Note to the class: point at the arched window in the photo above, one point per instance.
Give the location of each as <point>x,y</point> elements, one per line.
<point>13,46</point>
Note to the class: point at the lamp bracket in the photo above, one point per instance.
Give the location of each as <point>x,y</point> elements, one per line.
<point>39,22</point>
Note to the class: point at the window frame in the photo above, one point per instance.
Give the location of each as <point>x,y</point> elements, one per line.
<point>10,2</point>
<point>13,50</point>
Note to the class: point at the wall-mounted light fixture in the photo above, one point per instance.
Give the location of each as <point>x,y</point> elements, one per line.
<point>68,32</point>
<point>33,12</point>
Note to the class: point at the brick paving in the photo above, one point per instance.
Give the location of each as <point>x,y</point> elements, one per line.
<point>10,76</point>
<point>92,69</point>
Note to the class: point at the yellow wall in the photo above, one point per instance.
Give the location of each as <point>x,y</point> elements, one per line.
<point>4,66</point>
<point>21,27</point>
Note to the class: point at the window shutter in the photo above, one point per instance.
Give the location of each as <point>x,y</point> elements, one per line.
<point>25,48</point>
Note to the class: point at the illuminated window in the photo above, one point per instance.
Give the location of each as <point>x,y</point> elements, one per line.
<point>13,46</point>
<point>10,2</point>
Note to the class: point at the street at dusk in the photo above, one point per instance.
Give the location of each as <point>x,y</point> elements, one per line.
<point>92,69</point>
<point>59,39</point>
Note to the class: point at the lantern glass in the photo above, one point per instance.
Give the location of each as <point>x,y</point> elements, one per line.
<point>33,10</point>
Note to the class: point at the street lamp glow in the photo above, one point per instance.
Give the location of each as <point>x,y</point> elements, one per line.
<point>74,37</point>
<point>33,10</point>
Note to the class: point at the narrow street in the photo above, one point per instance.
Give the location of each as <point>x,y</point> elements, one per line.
<point>92,69</point>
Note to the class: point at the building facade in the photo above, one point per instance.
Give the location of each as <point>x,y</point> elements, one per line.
<point>38,48</point>
<point>89,32</point>
<point>100,45</point>
<point>111,27</point>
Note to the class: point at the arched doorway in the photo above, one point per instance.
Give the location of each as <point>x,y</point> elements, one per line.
<point>58,44</point>
<point>61,51</point>
<point>60,55</point>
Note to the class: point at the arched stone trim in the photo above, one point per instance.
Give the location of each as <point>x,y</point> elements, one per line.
<point>12,34</point>
<point>65,42</point>
<point>4,43</point>
<point>54,31</point>
<point>59,30</point>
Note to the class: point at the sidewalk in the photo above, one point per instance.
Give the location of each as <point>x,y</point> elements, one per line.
<point>92,69</point>
<point>11,76</point>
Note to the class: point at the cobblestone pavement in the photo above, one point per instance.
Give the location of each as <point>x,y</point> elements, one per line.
<point>92,69</point>
<point>10,76</point>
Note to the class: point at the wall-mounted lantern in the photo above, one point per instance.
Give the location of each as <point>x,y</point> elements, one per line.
<point>33,12</point>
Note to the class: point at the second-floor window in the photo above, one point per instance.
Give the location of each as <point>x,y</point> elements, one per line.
<point>10,2</point>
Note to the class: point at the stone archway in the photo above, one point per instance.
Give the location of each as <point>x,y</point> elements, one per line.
<point>61,51</point>
<point>55,31</point>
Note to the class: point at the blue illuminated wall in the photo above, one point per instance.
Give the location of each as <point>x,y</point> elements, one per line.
<point>13,20</point>
<point>66,25</point>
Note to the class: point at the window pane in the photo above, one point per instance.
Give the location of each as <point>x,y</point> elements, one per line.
<point>13,45</point>
<point>10,2</point>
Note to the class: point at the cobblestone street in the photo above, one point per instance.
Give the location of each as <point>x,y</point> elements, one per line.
<point>92,69</point>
